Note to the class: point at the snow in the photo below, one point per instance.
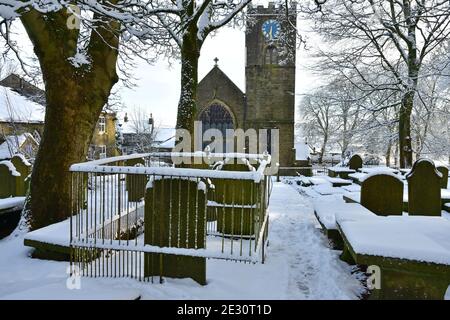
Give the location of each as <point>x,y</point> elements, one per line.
<point>338,180</point>
<point>99,166</point>
<point>13,202</point>
<point>10,147</point>
<point>352,188</point>
<point>328,211</point>
<point>445,194</point>
<point>356,196</point>
<point>381,172</point>
<point>57,233</point>
<point>18,108</point>
<point>358,176</point>
<point>10,167</point>
<point>341,169</point>
<point>416,238</point>
<point>318,180</point>
<point>22,157</point>
<point>375,170</point>
<point>302,151</point>
<point>325,189</point>
<point>200,184</point>
<point>299,265</point>
<point>90,290</point>
<point>80,59</point>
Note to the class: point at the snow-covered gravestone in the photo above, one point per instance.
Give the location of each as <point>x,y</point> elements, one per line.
<point>444,181</point>
<point>424,189</point>
<point>24,168</point>
<point>382,194</point>
<point>175,216</point>
<point>235,199</point>
<point>135,182</point>
<point>355,162</point>
<point>9,178</point>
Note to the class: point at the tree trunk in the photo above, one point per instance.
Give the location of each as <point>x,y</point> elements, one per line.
<point>187,107</point>
<point>405,130</point>
<point>62,144</point>
<point>324,144</point>
<point>388,155</point>
<point>75,97</point>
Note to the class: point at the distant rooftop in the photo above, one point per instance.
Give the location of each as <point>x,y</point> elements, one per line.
<point>24,88</point>
<point>18,108</point>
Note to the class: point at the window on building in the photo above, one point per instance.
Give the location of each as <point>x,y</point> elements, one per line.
<point>271,55</point>
<point>102,124</point>
<point>102,151</point>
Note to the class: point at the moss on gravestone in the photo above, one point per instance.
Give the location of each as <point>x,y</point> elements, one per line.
<point>135,182</point>
<point>24,169</point>
<point>424,189</point>
<point>175,214</point>
<point>383,195</point>
<point>355,162</point>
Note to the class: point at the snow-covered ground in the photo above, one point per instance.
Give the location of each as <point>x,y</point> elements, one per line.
<point>299,265</point>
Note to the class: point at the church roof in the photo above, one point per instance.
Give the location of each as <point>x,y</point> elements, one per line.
<point>217,80</point>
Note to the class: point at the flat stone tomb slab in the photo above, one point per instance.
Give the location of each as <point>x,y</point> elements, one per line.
<point>413,254</point>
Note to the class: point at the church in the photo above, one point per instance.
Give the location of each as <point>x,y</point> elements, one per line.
<point>269,98</point>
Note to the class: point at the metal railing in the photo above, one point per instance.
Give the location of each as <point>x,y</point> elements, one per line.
<point>128,207</point>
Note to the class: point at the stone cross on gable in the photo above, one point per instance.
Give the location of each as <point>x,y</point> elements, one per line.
<point>215,61</point>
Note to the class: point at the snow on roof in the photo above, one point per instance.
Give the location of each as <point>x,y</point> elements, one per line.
<point>18,108</point>
<point>302,151</point>
<point>164,134</point>
<point>168,144</point>
<point>12,144</point>
<point>132,126</point>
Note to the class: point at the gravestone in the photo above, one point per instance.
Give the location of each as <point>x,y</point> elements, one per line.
<point>424,189</point>
<point>9,178</point>
<point>135,182</point>
<point>444,181</point>
<point>382,194</point>
<point>175,213</point>
<point>236,198</point>
<point>24,168</point>
<point>355,162</point>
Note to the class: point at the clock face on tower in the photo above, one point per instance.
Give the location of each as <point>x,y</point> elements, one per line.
<point>271,29</point>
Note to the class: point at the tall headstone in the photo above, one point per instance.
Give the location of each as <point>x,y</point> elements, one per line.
<point>175,216</point>
<point>236,199</point>
<point>355,162</point>
<point>8,177</point>
<point>424,189</point>
<point>382,194</point>
<point>135,182</point>
<point>444,181</point>
<point>24,168</point>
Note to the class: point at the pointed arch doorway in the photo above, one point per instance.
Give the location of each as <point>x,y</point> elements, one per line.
<point>216,116</point>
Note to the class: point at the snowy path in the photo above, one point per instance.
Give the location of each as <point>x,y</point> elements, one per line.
<point>315,271</point>
<point>299,265</point>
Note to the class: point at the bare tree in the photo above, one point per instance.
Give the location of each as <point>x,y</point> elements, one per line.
<point>396,36</point>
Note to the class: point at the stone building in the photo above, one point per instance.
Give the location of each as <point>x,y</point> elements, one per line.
<point>22,111</point>
<point>269,100</point>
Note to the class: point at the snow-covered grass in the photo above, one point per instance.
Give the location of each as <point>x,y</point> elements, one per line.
<point>299,265</point>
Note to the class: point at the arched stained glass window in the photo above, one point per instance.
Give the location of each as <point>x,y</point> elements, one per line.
<point>216,116</point>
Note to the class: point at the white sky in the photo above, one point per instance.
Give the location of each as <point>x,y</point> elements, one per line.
<point>157,86</point>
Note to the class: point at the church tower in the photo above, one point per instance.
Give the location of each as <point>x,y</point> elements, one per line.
<point>270,75</point>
